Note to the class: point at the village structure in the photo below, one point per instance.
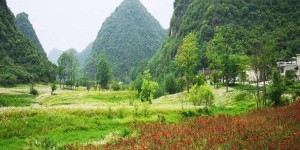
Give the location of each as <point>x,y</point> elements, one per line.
<point>283,66</point>
<point>290,64</point>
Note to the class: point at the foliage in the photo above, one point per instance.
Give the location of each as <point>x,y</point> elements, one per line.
<point>17,100</point>
<point>171,84</point>
<point>53,88</point>
<point>180,83</point>
<point>32,90</point>
<point>276,88</point>
<point>243,77</point>
<point>19,58</point>
<point>81,117</point>
<point>201,95</point>
<point>148,87</point>
<point>103,71</point>
<point>243,96</point>
<point>88,87</point>
<point>8,80</point>
<point>130,35</point>
<point>187,56</point>
<point>115,86</point>
<point>225,54</point>
<point>274,128</point>
<point>194,95</point>
<point>199,80</point>
<point>137,83</point>
<point>290,76</point>
<point>245,20</point>
<point>69,63</point>
<point>25,27</point>
<point>215,78</point>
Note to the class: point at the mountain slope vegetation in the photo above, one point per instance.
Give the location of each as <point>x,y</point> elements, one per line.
<point>24,26</point>
<point>84,54</point>
<point>130,35</point>
<point>242,21</point>
<point>54,54</point>
<point>20,60</point>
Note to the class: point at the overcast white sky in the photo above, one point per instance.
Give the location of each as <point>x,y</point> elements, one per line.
<point>65,24</point>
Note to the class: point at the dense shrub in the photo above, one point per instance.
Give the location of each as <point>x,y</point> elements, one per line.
<point>199,80</point>
<point>116,86</point>
<point>290,76</point>
<point>53,88</point>
<point>276,88</point>
<point>171,85</point>
<point>8,80</point>
<point>70,83</point>
<point>180,84</point>
<point>33,91</point>
<point>201,95</point>
<point>243,96</point>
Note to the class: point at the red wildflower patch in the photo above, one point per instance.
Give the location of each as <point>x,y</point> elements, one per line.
<point>276,128</point>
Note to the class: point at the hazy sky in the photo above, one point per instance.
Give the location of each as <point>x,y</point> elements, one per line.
<point>65,24</point>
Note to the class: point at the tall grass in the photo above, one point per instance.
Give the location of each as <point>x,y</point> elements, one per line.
<point>17,100</point>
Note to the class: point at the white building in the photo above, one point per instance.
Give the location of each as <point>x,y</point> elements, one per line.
<point>290,64</point>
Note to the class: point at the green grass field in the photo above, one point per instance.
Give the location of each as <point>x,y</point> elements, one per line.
<point>80,116</point>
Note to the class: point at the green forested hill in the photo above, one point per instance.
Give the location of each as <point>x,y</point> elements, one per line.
<point>23,24</point>
<point>20,60</point>
<point>241,20</point>
<point>129,35</point>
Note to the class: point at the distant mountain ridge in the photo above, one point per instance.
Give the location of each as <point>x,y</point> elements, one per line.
<point>130,35</point>
<point>54,54</point>
<point>25,27</point>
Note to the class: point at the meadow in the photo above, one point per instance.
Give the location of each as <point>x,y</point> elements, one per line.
<point>96,117</point>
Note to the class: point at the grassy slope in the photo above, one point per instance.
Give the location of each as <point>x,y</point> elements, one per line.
<point>81,116</point>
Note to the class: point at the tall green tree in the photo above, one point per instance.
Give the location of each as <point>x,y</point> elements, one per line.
<point>201,95</point>
<point>68,67</point>
<point>148,87</point>
<point>103,71</point>
<point>262,61</point>
<point>187,57</point>
<point>290,76</point>
<point>226,53</point>
<point>277,87</point>
<point>215,77</point>
<point>171,84</point>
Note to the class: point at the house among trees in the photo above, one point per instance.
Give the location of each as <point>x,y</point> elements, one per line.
<point>290,64</point>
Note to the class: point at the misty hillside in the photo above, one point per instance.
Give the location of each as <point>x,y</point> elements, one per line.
<point>130,35</point>
<point>24,26</point>
<point>85,53</point>
<point>54,54</point>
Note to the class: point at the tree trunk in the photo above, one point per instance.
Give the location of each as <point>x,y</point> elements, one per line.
<point>265,90</point>
<point>188,84</point>
<point>59,82</point>
<point>257,90</point>
<point>227,84</point>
